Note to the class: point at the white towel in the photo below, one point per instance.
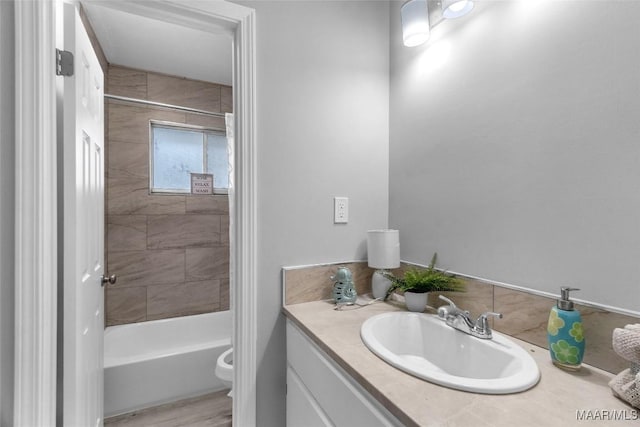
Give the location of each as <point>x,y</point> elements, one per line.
<point>626,342</point>
<point>626,386</point>
<point>633,326</point>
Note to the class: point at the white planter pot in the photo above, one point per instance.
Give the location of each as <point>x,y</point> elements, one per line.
<point>416,301</point>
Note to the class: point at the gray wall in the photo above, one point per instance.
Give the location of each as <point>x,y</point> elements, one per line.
<point>514,148</point>
<point>7,158</point>
<point>322,102</point>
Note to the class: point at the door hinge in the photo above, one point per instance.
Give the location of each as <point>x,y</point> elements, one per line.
<point>64,63</point>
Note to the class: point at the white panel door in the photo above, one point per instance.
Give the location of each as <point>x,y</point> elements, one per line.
<point>83,169</point>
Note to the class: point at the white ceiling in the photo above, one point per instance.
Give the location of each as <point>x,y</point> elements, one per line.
<point>148,44</point>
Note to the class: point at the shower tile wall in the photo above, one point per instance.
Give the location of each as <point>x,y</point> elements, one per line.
<point>170,252</point>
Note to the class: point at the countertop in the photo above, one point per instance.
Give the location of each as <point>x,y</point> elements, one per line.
<point>555,401</point>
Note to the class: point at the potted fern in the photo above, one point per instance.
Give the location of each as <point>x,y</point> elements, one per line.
<point>417,283</point>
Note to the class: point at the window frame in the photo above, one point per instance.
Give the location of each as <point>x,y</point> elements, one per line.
<point>181,126</point>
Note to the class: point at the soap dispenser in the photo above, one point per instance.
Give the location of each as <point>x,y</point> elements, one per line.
<point>565,333</point>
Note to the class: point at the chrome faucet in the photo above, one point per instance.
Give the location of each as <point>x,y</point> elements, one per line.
<point>461,320</point>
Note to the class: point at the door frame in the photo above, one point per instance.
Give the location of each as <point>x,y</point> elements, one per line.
<point>35,215</point>
<point>36,245</point>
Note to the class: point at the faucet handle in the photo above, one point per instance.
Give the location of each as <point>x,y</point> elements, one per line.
<point>492,313</point>
<point>451,303</point>
<point>451,309</point>
<point>482,325</point>
<point>483,316</point>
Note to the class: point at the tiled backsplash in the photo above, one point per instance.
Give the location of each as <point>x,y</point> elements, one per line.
<point>313,283</point>
<point>525,314</point>
<point>170,252</point>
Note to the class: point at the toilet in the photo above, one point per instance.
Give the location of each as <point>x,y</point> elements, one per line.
<point>224,369</point>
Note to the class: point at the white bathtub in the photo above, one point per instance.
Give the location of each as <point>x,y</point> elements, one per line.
<point>151,363</point>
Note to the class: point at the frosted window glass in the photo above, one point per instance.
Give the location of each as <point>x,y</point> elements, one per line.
<point>217,160</point>
<point>176,154</point>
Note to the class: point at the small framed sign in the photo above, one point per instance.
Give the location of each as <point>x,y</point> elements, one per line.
<point>201,183</point>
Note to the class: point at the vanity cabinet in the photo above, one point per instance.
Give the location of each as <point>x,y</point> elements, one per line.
<point>321,393</point>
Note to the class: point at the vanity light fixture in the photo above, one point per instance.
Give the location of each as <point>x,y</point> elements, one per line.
<point>456,8</point>
<point>415,22</point>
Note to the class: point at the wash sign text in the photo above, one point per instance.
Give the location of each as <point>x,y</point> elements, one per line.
<point>201,183</point>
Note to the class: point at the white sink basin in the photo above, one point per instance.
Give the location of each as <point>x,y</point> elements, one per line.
<point>424,346</point>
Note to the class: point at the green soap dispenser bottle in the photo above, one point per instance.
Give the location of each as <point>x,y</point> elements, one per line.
<point>565,333</point>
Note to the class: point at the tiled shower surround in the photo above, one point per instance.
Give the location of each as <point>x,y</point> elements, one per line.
<point>170,252</point>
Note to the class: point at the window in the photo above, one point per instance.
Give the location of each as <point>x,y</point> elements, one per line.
<point>177,151</point>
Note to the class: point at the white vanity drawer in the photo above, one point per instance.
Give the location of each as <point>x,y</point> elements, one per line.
<point>345,403</point>
<point>302,408</point>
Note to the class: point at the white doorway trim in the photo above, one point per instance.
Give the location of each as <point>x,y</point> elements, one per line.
<point>35,213</point>
<point>36,193</point>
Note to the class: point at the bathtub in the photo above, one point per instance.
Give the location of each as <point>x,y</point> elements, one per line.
<point>160,361</point>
